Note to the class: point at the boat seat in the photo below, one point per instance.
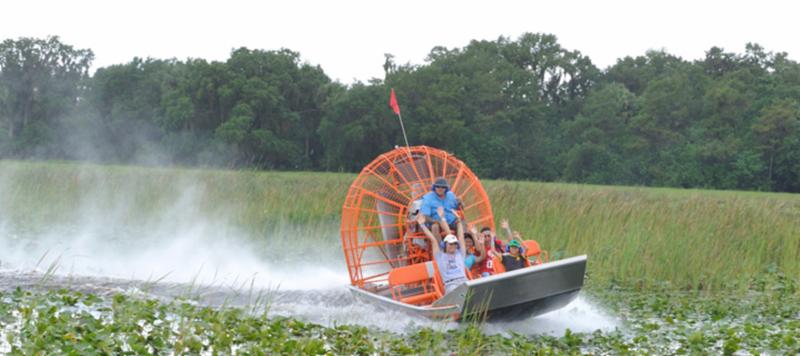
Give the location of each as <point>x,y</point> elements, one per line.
<point>471,273</point>
<point>532,250</point>
<point>417,284</point>
<point>497,262</point>
<point>499,267</point>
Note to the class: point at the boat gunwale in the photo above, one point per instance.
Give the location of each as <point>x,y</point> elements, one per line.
<point>444,309</point>
<point>449,309</point>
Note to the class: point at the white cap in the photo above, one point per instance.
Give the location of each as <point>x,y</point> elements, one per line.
<point>450,239</point>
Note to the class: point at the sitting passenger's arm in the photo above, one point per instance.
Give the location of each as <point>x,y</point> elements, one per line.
<point>506,228</point>
<point>427,232</point>
<point>480,254</point>
<point>480,249</point>
<point>517,236</point>
<point>460,234</point>
<point>443,219</point>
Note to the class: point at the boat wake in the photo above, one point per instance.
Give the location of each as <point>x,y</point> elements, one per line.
<point>327,306</point>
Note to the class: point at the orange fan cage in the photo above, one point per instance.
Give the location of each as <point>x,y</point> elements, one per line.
<point>378,232</point>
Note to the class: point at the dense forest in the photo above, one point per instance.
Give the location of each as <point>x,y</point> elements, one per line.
<point>515,109</point>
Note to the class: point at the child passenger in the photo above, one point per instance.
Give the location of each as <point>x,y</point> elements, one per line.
<point>475,253</point>
<point>513,260</point>
<point>451,260</point>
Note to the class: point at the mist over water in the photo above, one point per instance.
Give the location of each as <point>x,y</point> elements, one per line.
<point>190,257</point>
<point>177,250</point>
<point>107,233</point>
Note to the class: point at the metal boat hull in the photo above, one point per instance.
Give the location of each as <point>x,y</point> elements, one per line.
<point>517,294</point>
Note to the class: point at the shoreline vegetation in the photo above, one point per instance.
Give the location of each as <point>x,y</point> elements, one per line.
<point>522,108</point>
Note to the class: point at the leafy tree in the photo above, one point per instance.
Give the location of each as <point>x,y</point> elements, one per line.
<point>717,62</point>
<point>599,136</point>
<point>128,99</point>
<point>40,81</point>
<point>659,150</point>
<point>357,126</point>
<point>286,100</point>
<point>776,133</point>
<point>721,133</point>
<point>524,108</point>
<point>635,73</point>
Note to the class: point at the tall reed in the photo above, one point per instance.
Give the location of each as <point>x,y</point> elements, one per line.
<point>636,236</point>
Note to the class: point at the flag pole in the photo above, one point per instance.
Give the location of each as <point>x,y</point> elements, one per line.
<point>396,109</point>
<point>402,127</point>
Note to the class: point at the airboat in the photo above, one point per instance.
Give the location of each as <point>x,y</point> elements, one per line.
<point>389,260</point>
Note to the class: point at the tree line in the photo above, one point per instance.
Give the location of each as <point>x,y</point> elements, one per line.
<point>524,108</point>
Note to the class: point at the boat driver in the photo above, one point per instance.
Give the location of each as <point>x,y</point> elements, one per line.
<point>440,196</point>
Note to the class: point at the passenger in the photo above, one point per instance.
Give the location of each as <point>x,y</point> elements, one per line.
<point>475,253</point>
<point>515,235</point>
<point>485,238</point>
<point>451,260</point>
<point>514,260</point>
<point>440,196</point>
<point>490,237</point>
<point>469,243</point>
<point>413,211</point>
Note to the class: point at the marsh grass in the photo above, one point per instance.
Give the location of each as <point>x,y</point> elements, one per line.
<point>640,237</point>
<point>690,239</point>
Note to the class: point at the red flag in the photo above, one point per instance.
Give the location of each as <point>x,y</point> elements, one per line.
<point>393,103</point>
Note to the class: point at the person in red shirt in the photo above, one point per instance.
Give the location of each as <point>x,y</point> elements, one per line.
<point>485,239</point>
<point>489,236</point>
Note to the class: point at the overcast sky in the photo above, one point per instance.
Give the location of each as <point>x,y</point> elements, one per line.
<point>348,38</point>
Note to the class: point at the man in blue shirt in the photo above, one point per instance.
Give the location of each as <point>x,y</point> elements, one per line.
<point>440,196</point>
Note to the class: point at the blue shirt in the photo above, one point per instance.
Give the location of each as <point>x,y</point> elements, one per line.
<point>431,201</point>
<point>469,261</point>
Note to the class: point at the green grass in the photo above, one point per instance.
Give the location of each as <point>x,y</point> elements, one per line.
<point>639,237</point>
<point>46,193</point>
<point>691,239</point>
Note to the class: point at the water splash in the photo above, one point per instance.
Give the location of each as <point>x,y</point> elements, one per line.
<point>579,316</point>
